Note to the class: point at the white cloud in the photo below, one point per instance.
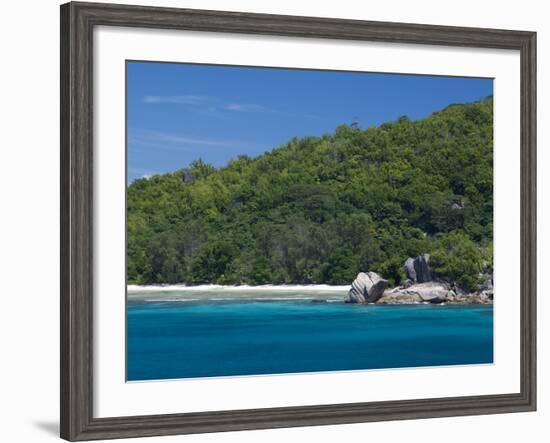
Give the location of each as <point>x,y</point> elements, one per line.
<point>141,173</point>
<point>244,107</point>
<point>216,107</point>
<point>177,139</point>
<point>169,141</point>
<point>178,99</point>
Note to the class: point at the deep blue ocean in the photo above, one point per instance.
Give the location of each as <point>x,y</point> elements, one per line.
<point>205,338</point>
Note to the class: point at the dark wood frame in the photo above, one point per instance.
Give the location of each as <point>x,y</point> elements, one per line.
<point>77,24</point>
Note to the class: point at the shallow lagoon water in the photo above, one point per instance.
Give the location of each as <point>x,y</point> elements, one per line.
<point>209,334</point>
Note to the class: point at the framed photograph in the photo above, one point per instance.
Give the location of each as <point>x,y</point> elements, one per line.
<point>272,221</point>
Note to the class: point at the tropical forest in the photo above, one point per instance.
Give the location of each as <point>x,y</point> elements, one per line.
<point>320,209</point>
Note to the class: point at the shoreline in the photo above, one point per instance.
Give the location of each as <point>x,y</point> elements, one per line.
<point>313,293</point>
<point>235,288</point>
<point>244,292</point>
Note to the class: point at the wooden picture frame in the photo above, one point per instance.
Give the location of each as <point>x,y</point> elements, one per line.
<point>77,23</point>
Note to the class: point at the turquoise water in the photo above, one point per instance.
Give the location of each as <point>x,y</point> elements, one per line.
<point>206,338</point>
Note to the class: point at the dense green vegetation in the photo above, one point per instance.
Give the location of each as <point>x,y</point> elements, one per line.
<point>320,209</point>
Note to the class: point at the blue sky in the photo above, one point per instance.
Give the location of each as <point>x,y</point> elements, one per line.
<point>177,113</point>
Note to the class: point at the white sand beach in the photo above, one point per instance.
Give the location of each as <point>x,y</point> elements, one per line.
<point>223,292</point>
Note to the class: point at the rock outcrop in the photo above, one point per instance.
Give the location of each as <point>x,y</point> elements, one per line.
<point>420,287</point>
<point>476,298</point>
<point>430,292</point>
<point>487,284</point>
<point>366,288</point>
<point>398,296</point>
<point>187,176</point>
<point>418,269</point>
<point>409,269</point>
<point>434,292</point>
<point>422,268</point>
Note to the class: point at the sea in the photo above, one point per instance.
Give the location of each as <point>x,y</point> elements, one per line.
<point>175,333</point>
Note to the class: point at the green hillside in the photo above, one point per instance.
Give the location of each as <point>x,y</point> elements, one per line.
<point>320,209</point>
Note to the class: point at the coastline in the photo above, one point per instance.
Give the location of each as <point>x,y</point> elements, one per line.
<point>245,292</point>
<point>238,288</point>
<point>314,293</point>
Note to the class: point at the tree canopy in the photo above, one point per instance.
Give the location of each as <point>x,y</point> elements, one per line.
<point>321,209</point>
